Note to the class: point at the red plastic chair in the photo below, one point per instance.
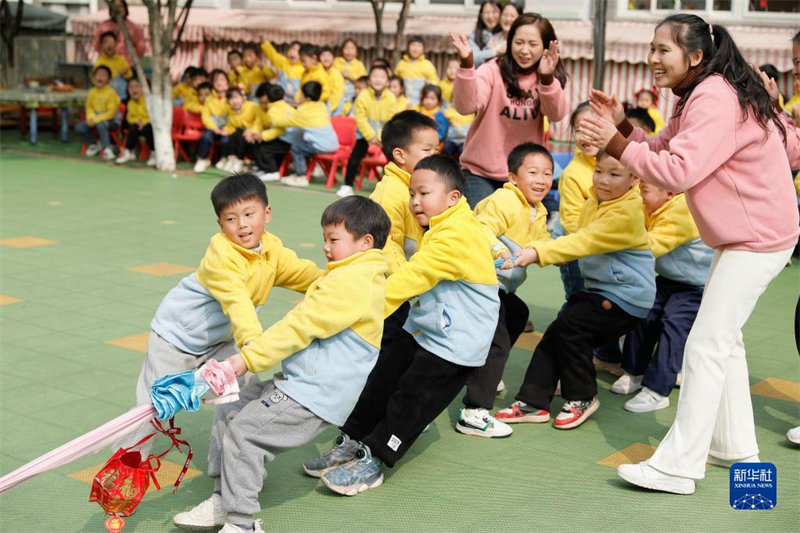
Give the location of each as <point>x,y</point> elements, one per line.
<point>375,158</point>
<point>187,127</point>
<point>345,128</point>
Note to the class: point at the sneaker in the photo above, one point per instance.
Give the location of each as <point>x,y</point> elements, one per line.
<point>727,463</point>
<point>222,164</point>
<point>501,386</point>
<point>344,191</point>
<point>108,153</point>
<point>679,379</point>
<point>267,176</point>
<point>646,401</point>
<point>233,528</point>
<point>235,165</point>
<point>318,172</point>
<point>627,384</point>
<point>519,412</point>
<point>574,413</point>
<point>644,475</point>
<point>794,435</point>
<point>480,423</point>
<point>207,515</point>
<point>124,156</point>
<point>295,180</point>
<point>202,165</point>
<point>360,474</point>
<point>93,149</point>
<point>343,451</point>
<point>151,161</point>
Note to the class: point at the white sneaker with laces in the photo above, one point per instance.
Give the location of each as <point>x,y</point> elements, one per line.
<point>727,463</point>
<point>233,528</point>
<point>124,156</point>
<point>794,435</point>
<point>646,401</point>
<point>151,161</point>
<point>202,165</point>
<point>644,475</point>
<point>207,515</point>
<point>480,423</point>
<point>344,191</point>
<point>295,180</point>
<point>268,176</point>
<point>627,384</point>
<point>93,149</point>
<point>108,153</point>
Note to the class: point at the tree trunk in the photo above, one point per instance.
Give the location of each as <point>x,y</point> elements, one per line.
<point>377,10</point>
<point>160,105</point>
<point>401,28</point>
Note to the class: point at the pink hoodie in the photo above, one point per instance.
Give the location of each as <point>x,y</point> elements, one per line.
<point>502,123</point>
<point>736,177</point>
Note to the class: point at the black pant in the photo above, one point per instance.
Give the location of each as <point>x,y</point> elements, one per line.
<point>405,392</point>
<point>565,351</point>
<point>134,132</point>
<point>269,155</point>
<point>237,145</point>
<point>482,384</point>
<point>358,153</point>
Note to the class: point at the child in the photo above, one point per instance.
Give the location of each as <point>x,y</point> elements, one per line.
<point>457,130</point>
<point>195,104</point>
<point>335,81</point>
<point>647,99</point>
<point>327,352</point>
<point>241,116</point>
<point>234,62</point>
<point>351,68</point>
<point>617,266</point>
<point>289,68</point>
<point>182,89</point>
<point>373,108</point>
<point>313,132</point>
<point>189,96</point>
<point>271,143</point>
<point>682,263</point>
<point>360,85</point>
<point>215,117</point>
<point>415,70</point>
<point>398,88</point>
<point>251,73</point>
<point>309,58</point>
<point>116,63</point>
<point>512,218</point>
<point>640,118</point>
<point>102,105</point>
<point>138,121</point>
<point>446,85</point>
<point>431,105</point>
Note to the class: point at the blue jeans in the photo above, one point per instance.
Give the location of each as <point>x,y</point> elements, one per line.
<point>304,145</point>
<point>84,130</point>
<point>476,188</point>
<point>205,142</point>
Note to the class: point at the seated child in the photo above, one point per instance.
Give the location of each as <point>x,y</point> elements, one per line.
<point>314,71</point>
<point>647,99</point>
<point>512,218</point>
<point>138,124</point>
<point>102,105</point>
<point>180,90</point>
<point>398,88</point>
<point>312,134</point>
<point>682,263</point>
<point>351,68</point>
<point>457,130</point>
<point>640,118</point>
<point>215,117</point>
<point>431,105</point>
<point>271,144</point>
<point>415,70</point>
<point>234,62</point>
<point>242,115</point>
<point>446,85</point>
<point>446,336</point>
<point>335,81</point>
<point>360,84</point>
<point>326,349</point>
<point>288,66</point>
<point>195,104</point>
<point>617,266</point>
<point>251,73</point>
<point>190,99</point>
<point>116,63</point>
<point>373,108</point>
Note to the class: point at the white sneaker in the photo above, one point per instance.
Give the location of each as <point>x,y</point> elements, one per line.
<point>207,515</point>
<point>202,165</point>
<point>151,161</point>
<point>644,475</point>
<point>108,153</point>
<point>233,528</point>
<point>727,463</point>
<point>222,164</point>
<point>627,384</point>
<point>124,156</point>
<point>646,401</point>
<point>344,191</point>
<point>93,149</point>
<point>295,180</point>
<point>235,165</point>
<point>794,435</point>
<point>268,176</point>
<point>318,172</point>
<point>480,423</point>
<point>501,386</point>
<point>679,379</point>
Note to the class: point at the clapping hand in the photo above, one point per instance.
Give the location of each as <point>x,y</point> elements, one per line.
<point>549,60</point>
<point>607,107</point>
<point>463,50</point>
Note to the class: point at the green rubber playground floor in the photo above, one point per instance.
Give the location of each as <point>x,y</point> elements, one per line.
<point>87,251</point>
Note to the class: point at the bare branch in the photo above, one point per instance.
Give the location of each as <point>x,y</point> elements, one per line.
<point>183,16</point>
<point>401,28</point>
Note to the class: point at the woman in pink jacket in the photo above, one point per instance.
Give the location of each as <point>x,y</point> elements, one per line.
<point>725,148</point>
<point>511,96</point>
<point>137,36</point>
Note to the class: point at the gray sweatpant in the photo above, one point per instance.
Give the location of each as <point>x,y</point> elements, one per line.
<point>263,423</point>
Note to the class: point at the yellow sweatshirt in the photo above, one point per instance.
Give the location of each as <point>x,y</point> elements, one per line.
<point>117,63</point>
<point>355,68</point>
<point>655,114</point>
<point>416,69</point>
<point>446,85</point>
<point>670,226</point>
<point>372,112</point>
<point>391,193</point>
<point>191,103</point>
<point>573,187</point>
<point>307,115</point>
<point>233,77</point>
<point>281,111</point>
<point>244,118</point>
<point>336,83</point>
<point>316,73</point>
<point>182,90</point>
<point>289,73</point>
<point>101,104</point>
<point>250,78</point>
<point>215,111</point>
<point>241,279</point>
<point>402,104</point>
<point>136,111</point>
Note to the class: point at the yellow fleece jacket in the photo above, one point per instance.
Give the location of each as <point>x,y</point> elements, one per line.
<point>280,111</point>
<point>137,111</point>
<point>655,114</point>
<point>250,78</point>
<point>182,90</point>
<point>336,84</point>
<point>372,112</point>
<point>316,73</point>
<point>307,115</point>
<point>670,226</point>
<point>391,193</point>
<point>101,104</point>
<point>506,213</point>
<point>240,279</point>
<point>415,69</point>
<point>358,280</point>
<point>245,118</point>
<point>215,111</point>
<point>191,103</point>
<point>402,104</point>
<point>355,68</point>
<point>457,119</point>
<point>446,85</point>
<point>293,71</point>
<point>116,63</point>
<point>573,187</point>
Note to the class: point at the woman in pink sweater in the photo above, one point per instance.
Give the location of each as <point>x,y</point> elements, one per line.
<point>511,96</point>
<point>724,147</point>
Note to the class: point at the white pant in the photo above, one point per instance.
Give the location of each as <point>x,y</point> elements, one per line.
<point>714,411</point>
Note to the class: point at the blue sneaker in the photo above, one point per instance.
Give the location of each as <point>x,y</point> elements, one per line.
<point>343,451</point>
<point>360,474</point>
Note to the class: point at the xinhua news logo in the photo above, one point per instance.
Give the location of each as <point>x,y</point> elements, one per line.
<point>753,486</point>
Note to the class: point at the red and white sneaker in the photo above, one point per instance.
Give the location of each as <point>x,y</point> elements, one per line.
<point>519,412</point>
<point>574,413</point>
